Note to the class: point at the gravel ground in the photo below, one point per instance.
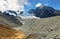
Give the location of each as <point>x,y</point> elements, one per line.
<point>44,28</point>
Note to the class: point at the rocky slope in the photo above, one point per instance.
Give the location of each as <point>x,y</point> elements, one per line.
<point>9,20</point>
<point>7,23</point>
<point>44,28</point>
<point>48,27</point>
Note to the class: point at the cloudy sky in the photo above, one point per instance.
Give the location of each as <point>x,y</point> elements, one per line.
<point>25,5</point>
<point>12,5</point>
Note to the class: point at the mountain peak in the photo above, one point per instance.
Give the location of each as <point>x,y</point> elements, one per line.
<point>39,5</point>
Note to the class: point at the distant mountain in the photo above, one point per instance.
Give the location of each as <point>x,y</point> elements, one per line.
<point>10,12</point>
<point>44,11</point>
<point>57,12</point>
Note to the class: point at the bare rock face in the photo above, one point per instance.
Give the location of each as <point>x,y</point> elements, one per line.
<point>43,12</point>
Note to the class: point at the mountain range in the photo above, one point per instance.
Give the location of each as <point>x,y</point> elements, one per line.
<point>44,11</point>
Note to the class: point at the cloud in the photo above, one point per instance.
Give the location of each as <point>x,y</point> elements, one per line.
<point>12,5</point>
<point>28,4</point>
<point>38,4</point>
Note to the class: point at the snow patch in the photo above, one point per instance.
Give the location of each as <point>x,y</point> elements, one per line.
<point>29,17</point>
<point>38,4</point>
